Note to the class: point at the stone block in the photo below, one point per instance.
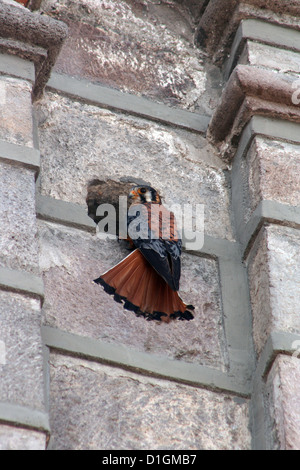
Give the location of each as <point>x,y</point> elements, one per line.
<point>283,404</point>
<point>274,279</point>
<point>251,91</point>
<point>13,438</point>
<point>81,142</point>
<point>124,411</point>
<point>219,23</point>
<point>16,114</point>
<point>18,244</point>
<point>33,37</point>
<point>269,173</point>
<point>271,57</point>
<point>142,47</point>
<point>21,364</point>
<point>71,259</point>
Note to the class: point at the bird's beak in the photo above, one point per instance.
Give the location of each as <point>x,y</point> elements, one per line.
<point>132,194</point>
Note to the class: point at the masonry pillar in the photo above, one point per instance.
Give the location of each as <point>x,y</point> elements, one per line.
<point>257,130</point>
<point>28,46</point>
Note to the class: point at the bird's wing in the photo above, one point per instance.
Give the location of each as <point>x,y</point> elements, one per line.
<point>162,248</point>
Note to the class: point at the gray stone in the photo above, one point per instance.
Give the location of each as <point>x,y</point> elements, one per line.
<point>23,416</point>
<point>269,173</point>
<point>18,244</point>
<point>142,47</point>
<point>80,143</point>
<point>282,60</point>
<point>22,364</point>
<point>33,37</point>
<point>263,44</point>
<point>230,381</point>
<point>284,268</point>
<point>127,103</point>
<point>250,91</point>
<point>273,266</point>
<point>219,23</point>
<point>70,260</point>
<point>13,438</point>
<point>16,154</point>
<point>16,118</point>
<point>124,411</point>
<point>283,399</point>
<point>16,67</point>
<point>21,281</point>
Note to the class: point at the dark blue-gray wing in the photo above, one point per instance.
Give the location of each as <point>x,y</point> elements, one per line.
<point>157,239</point>
<point>164,257</point>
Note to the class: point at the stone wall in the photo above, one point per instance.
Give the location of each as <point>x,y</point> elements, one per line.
<point>201,102</point>
<point>24,417</point>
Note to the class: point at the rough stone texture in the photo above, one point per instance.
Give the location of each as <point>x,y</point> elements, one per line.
<point>12,438</point>
<point>270,173</point>
<point>278,6</point>
<point>260,291</point>
<point>81,142</point>
<point>22,372</point>
<point>142,47</point>
<point>274,277</point>
<point>18,244</point>
<point>283,399</point>
<point>250,91</point>
<point>122,410</point>
<point>71,259</point>
<point>33,37</point>
<point>196,7</point>
<point>16,118</point>
<point>220,21</point>
<point>271,57</point>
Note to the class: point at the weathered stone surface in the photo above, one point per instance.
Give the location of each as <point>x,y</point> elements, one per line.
<point>196,7</point>
<point>122,410</point>
<point>33,37</point>
<point>251,91</point>
<point>80,143</point>
<point>271,57</point>
<point>219,23</point>
<point>260,291</point>
<point>13,438</point>
<point>269,173</point>
<point>71,259</point>
<point>142,47</point>
<point>21,367</point>
<point>18,244</point>
<point>16,118</point>
<point>283,398</point>
<point>274,276</point>
<point>18,229</point>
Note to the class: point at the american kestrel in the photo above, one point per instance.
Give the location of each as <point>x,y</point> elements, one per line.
<point>147,280</point>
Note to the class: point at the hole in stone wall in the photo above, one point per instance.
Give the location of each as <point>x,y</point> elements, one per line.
<point>108,192</point>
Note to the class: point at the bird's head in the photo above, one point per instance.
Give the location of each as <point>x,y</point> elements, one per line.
<point>143,194</point>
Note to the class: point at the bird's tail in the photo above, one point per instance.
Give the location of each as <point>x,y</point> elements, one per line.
<point>137,285</point>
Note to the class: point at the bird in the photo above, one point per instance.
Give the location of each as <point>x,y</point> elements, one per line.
<point>147,280</point>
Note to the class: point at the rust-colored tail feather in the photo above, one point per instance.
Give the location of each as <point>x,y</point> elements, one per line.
<point>136,284</point>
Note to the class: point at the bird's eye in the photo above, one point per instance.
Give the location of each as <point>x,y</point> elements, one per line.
<point>143,190</point>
